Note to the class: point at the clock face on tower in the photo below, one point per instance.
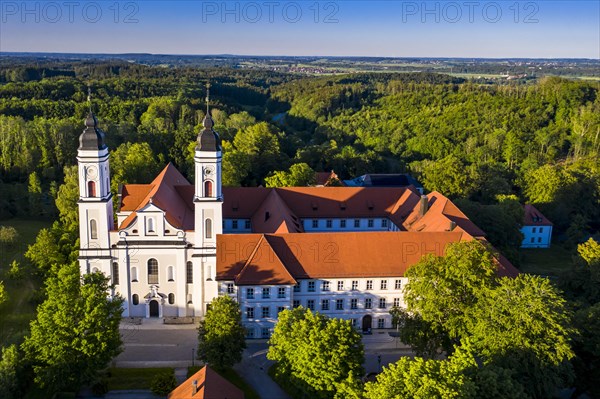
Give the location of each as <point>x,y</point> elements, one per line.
<point>91,172</point>
<point>208,171</point>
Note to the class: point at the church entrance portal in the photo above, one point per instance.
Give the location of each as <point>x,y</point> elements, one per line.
<point>366,324</point>
<point>153,308</point>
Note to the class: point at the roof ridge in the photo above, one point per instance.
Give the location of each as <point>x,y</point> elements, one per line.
<point>249,260</point>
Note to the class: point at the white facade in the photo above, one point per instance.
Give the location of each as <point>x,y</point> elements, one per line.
<point>536,236</point>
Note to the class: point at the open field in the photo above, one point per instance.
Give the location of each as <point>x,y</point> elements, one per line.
<point>18,311</point>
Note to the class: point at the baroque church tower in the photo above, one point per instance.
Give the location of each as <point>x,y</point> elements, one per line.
<point>208,196</point>
<point>95,199</point>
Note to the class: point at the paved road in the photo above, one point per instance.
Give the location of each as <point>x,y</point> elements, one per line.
<point>253,369</point>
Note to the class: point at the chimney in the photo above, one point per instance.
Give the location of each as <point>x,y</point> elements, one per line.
<point>423,205</point>
<point>194,387</point>
<point>452,225</point>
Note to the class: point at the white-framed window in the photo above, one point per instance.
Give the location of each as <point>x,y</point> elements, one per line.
<point>325,304</point>
<point>368,303</point>
<point>380,323</point>
<point>369,284</point>
<point>382,304</point>
<point>384,284</point>
<point>315,224</point>
<point>296,303</point>
<point>310,304</point>
<point>266,312</point>
<point>281,292</point>
<point>280,309</point>
<point>353,303</point>
<point>297,287</point>
<point>249,293</point>
<point>266,293</point>
<point>230,288</point>
<point>339,304</point>
<point>311,286</point>
<point>325,286</point>
<point>354,285</point>
<point>250,333</point>
<point>329,223</point>
<point>265,332</point>
<point>249,313</point>
<point>398,284</point>
<point>397,302</point>
<point>353,322</point>
<point>340,286</point>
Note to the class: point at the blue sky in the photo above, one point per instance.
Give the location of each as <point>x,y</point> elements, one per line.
<point>532,29</point>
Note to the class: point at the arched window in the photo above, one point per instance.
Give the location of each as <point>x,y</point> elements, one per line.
<point>189,273</point>
<point>208,228</point>
<point>152,271</point>
<point>115,273</point>
<point>171,299</point>
<point>135,299</point>
<point>95,270</point>
<point>208,188</point>
<point>93,229</point>
<point>134,274</point>
<point>91,189</point>
<point>170,273</point>
<point>151,225</point>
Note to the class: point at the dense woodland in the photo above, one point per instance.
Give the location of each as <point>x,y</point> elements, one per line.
<point>486,146</point>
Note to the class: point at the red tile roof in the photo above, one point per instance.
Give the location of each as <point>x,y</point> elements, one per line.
<point>324,178</point>
<point>533,217</point>
<point>210,385</point>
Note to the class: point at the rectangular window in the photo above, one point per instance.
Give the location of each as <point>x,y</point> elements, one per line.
<point>250,333</point>
<point>381,303</point>
<point>541,230</point>
<point>249,313</point>
<point>353,303</point>
<point>325,304</point>
<point>384,284</point>
<point>280,309</point>
<point>249,293</point>
<point>354,285</point>
<point>325,286</point>
<point>380,323</point>
<point>343,223</point>
<point>384,223</point>
<point>539,239</point>
<point>152,271</point>
<point>533,230</point>
<point>339,304</point>
<point>247,224</point>
<point>115,273</point>
<point>397,302</point>
<point>297,287</point>
<point>296,303</point>
<point>230,289</point>
<point>353,322</point>
<point>265,312</point>
<point>266,293</point>
<point>234,224</point>
<point>398,284</point>
<point>340,286</point>
<point>265,332</point>
<point>329,223</point>
<point>281,292</point>
<point>189,273</point>
<point>368,303</point>
<point>310,304</point>
<point>356,223</point>
<point>370,223</point>
<point>311,286</point>
<point>369,284</point>
<point>315,224</point>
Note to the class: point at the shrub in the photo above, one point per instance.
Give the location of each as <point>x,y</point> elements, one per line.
<point>163,383</point>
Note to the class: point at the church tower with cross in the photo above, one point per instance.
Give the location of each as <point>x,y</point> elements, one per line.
<point>95,199</point>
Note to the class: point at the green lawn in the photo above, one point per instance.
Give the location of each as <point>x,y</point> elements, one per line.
<point>551,261</point>
<point>126,378</point>
<point>18,311</point>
